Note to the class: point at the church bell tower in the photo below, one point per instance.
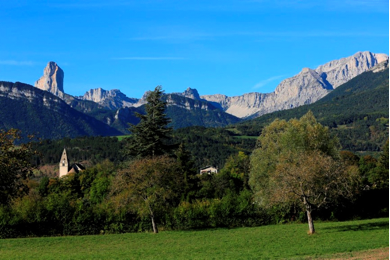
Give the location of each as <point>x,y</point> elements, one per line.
<point>64,164</point>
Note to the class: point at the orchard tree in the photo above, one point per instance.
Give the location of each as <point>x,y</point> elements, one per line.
<point>149,135</point>
<point>149,185</point>
<point>15,165</point>
<point>298,162</point>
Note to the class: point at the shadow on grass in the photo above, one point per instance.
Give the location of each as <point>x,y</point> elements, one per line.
<point>360,227</point>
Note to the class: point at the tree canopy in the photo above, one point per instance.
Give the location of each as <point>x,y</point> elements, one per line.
<point>15,165</point>
<point>298,162</point>
<point>150,184</point>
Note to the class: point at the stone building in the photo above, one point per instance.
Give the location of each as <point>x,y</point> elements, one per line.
<point>65,169</point>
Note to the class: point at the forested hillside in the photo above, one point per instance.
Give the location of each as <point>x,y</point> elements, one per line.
<point>91,150</point>
<point>38,112</point>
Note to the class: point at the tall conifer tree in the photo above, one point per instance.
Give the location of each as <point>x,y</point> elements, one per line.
<point>149,135</point>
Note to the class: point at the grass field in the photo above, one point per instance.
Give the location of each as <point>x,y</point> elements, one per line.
<point>121,137</point>
<point>341,240</point>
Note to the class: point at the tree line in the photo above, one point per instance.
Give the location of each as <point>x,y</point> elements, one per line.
<point>296,172</point>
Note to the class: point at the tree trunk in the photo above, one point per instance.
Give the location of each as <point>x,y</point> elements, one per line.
<point>310,221</point>
<point>309,218</point>
<point>155,229</point>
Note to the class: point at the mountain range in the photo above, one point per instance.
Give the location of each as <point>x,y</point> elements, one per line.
<point>54,114</point>
<point>304,88</point>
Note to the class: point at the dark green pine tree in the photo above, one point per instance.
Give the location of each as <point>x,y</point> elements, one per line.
<point>150,134</point>
<point>187,168</point>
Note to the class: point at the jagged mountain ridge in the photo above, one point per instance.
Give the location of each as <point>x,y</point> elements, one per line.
<point>111,99</point>
<point>304,88</point>
<point>115,110</point>
<point>182,111</point>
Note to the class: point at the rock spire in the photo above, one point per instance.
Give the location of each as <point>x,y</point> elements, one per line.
<point>52,79</point>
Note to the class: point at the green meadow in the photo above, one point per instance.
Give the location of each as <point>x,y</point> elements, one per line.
<point>288,241</point>
<point>121,137</point>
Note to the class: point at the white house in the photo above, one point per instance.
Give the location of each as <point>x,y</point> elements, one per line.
<point>208,170</point>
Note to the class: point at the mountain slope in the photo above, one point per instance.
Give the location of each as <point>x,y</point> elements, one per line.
<point>39,112</point>
<point>186,112</point>
<point>304,88</point>
<point>357,112</point>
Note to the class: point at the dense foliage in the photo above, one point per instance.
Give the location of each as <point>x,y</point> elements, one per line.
<point>15,166</point>
<point>298,162</point>
<point>100,199</point>
<point>212,146</point>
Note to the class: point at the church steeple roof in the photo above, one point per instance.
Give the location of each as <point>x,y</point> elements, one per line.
<point>64,157</point>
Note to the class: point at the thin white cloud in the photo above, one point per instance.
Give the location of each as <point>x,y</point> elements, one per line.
<point>91,4</point>
<point>266,81</point>
<point>380,6</point>
<point>17,63</point>
<point>281,34</point>
<point>149,58</point>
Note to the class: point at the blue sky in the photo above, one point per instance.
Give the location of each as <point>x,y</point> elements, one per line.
<point>229,47</point>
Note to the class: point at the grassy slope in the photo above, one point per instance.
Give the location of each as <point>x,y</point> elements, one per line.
<point>275,241</point>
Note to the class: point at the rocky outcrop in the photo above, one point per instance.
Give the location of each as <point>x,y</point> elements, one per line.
<point>52,79</point>
<point>338,72</point>
<point>384,65</point>
<point>190,93</point>
<point>240,106</point>
<point>187,102</point>
<point>111,99</point>
<point>304,88</point>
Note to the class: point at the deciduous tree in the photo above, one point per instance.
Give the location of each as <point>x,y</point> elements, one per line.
<point>299,162</point>
<point>149,185</point>
<point>15,165</point>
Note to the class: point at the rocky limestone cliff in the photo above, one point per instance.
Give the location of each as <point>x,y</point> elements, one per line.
<point>111,99</point>
<point>187,103</point>
<point>304,88</point>
<point>190,93</point>
<point>338,72</point>
<point>52,79</point>
<point>381,66</point>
